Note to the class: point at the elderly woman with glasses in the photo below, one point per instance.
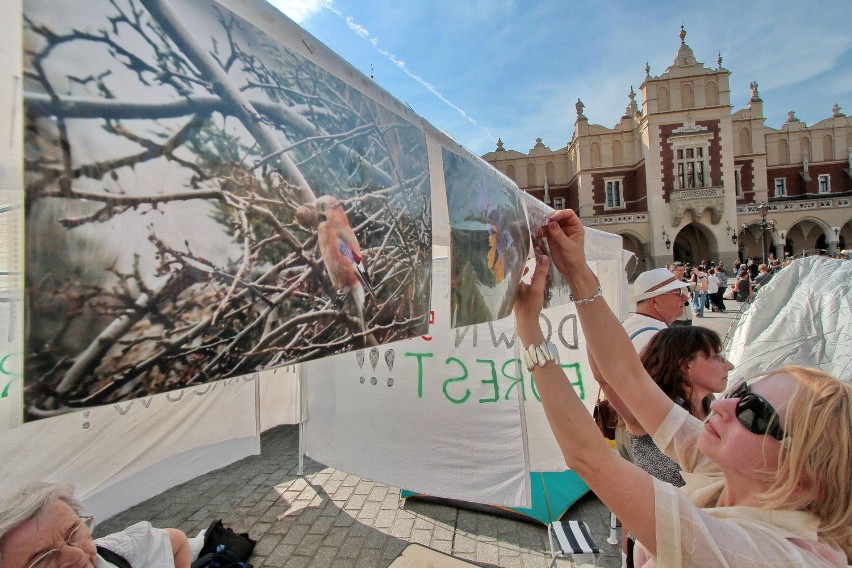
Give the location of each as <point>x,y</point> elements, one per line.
<point>767,473</point>
<point>41,527</point>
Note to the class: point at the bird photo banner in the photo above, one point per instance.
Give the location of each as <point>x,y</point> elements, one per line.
<point>207,199</point>
<point>489,240</point>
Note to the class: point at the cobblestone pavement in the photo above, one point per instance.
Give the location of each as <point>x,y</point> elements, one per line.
<point>327,517</point>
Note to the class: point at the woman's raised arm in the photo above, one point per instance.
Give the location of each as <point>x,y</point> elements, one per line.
<point>606,340</point>
<point>624,488</point>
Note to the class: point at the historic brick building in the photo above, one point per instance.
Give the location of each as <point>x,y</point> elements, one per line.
<point>682,177</point>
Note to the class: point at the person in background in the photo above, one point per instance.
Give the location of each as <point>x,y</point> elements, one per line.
<point>685,316</point>
<point>41,527</point>
<point>722,276</point>
<point>699,292</point>
<point>712,289</point>
<point>752,268</point>
<point>659,295</point>
<point>763,277</point>
<point>742,288</point>
<point>767,484</point>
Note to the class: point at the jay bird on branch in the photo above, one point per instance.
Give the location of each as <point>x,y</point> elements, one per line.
<point>340,251</point>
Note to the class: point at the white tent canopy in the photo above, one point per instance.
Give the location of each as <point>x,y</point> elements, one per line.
<point>802,317</point>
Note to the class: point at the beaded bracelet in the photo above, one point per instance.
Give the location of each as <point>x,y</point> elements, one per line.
<point>584,301</point>
<point>539,355</point>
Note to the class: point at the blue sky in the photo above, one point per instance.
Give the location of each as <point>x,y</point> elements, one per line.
<point>483,69</point>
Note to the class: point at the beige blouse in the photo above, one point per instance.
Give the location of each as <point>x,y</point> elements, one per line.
<point>692,531</point>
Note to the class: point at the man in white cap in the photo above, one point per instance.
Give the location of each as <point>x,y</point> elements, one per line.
<point>659,297</point>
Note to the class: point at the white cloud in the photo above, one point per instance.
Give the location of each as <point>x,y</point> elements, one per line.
<point>364,33</point>
<point>299,10</point>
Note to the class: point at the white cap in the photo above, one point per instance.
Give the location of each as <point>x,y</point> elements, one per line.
<point>654,283</point>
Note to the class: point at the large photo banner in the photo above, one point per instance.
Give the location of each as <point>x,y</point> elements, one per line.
<point>204,201</point>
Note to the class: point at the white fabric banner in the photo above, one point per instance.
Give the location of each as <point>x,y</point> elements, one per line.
<point>279,397</point>
<point>802,317</point>
<point>148,441</point>
<point>439,415</point>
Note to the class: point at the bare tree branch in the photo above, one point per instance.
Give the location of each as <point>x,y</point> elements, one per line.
<point>165,16</point>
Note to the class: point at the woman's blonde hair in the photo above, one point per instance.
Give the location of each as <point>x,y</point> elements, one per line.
<point>814,471</point>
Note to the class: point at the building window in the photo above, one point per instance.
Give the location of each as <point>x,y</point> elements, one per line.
<point>690,167</point>
<point>745,141</point>
<point>559,203</point>
<point>783,152</point>
<point>824,183</point>
<point>614,196</point>
<point>530,175</point>
<point>738,182</point>
<point>780,187</point>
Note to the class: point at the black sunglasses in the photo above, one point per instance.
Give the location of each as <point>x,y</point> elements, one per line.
<point>756,414</point>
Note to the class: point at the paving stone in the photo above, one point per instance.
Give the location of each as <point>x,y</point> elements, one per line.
<point>351,546</point>
<point>384,519</point>
<point>369,558</point>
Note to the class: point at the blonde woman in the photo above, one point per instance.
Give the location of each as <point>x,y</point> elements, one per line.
<point>768,481</point>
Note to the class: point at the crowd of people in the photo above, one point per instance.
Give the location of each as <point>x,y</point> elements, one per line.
<point>710,284</point>
<point>757,466</point>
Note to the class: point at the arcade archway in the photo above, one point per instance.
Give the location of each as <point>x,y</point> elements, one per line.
<point>695,243</point>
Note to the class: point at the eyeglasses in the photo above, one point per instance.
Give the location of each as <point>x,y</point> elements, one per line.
<point>78,536</point>
<point>756,414</point>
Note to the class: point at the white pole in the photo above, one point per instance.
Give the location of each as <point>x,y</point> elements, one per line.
<point>613,537</point>
<point>302,403</point>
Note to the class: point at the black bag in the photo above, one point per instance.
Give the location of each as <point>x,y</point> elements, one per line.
<point>112,557</point>
<point>605,417</point>
<point>222,559</point>
<point>223,548</point>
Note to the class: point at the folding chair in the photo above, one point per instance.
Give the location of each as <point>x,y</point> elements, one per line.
<point>572,538</point>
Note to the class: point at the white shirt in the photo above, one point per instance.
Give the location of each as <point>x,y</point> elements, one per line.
<point>142,545</point>
<point>634,326</point>
<point>692,531</point>
<point>712,284</point>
